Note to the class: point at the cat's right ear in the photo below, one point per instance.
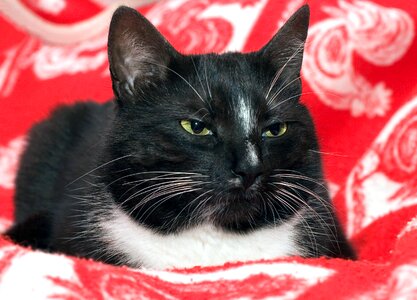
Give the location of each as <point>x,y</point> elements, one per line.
<point>138,54</point>
<point>285,49</point>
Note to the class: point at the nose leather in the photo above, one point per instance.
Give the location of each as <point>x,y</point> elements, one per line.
<point>248,166</point>
<point>247,178</point>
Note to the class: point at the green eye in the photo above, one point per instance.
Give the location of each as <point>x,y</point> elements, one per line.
<point>276,130</point>
<point>195,127</point>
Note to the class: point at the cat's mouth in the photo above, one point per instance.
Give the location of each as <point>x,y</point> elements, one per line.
<point>236,211</point>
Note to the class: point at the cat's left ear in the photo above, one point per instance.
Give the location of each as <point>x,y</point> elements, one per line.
<point>285,49</point>
<point>138,54</point>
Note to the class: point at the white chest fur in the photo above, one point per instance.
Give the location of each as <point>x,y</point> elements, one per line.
<point>200,246</point>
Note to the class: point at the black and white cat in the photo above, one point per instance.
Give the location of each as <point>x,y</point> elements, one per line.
<point>201,160</point>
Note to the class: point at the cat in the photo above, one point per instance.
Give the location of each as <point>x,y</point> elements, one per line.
<point>200,160</point>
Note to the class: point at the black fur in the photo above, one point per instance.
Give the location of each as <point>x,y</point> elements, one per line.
<point>88,157</point>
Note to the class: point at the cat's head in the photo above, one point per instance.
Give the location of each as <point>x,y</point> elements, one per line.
<point>209,138</point>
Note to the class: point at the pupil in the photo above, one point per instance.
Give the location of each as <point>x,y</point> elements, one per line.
<point>275,129</point>
<point>197,126</point>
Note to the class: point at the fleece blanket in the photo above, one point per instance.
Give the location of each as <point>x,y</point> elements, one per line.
<point>360,82</point>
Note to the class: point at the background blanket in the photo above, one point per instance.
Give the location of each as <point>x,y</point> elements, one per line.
<point>360,82</point>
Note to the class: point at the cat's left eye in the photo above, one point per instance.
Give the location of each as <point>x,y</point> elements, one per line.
<point>276,130</point>
<point>195,127</point>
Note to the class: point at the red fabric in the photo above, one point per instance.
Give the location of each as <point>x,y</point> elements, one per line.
<point>63,12</point>
<point>360,83</point>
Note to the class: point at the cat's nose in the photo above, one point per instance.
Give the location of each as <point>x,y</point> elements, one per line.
<point>248,165</point>
<point>247,176</point>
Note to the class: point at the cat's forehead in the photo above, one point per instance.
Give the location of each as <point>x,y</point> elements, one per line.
<point>231,89</point>
<point>233,82</point>
<point>239,113</point>
<point>237,67</point>
<point>237,90</point>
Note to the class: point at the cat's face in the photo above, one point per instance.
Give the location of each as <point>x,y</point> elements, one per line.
<point>209,138</point>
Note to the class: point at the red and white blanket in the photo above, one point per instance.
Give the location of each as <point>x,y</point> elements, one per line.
<point>360,81</point>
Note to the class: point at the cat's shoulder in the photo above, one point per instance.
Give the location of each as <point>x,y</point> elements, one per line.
<point>67,118</point>
<point>80,109</point>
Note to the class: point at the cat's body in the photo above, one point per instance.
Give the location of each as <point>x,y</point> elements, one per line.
<point>201,160</point>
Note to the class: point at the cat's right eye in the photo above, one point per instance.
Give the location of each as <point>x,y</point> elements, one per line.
<point>195,127</point>
<point>276,130</point>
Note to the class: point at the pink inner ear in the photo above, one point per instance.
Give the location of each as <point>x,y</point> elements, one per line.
<point>363,107</point>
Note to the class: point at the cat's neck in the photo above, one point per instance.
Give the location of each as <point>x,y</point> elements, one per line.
<point>202,245</point>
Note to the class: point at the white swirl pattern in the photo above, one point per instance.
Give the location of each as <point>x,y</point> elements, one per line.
<point>385,179</point>
<point>9,158</point>
<point>378,34</point>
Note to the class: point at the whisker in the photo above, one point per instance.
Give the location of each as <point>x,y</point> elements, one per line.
<point>100,166</point>
<point>163,200</point>
<point>185,80</point>
<point>301,217</point>
<point>164,174</point>
<point>196,113</point>
<point>286,100</point>
<point>138,183</point>
<point>280,90</point>
<point>166,189</point>
<point>279,72</point>
<point>264,205</point>
<point>326,205</point>
<point>207,82</point>
<point>198,75</point>
<point>157,187</point>
<point>301,177</point>
<point>302,94</point>
<point>190,204</point>
<point>163,177</point>
<point>328,153</point>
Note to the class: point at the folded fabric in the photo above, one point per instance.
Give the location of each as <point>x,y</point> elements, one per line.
<point>359,82</point>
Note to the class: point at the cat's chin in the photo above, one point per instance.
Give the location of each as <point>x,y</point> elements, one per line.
<point>238,213</point>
